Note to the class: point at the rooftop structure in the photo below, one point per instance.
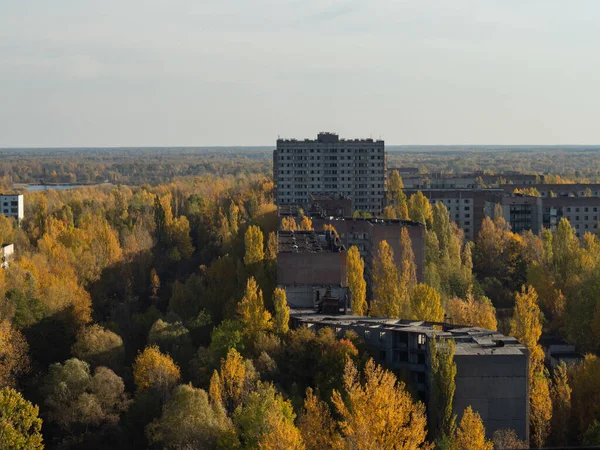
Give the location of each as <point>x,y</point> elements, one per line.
<point>307,242</point>
<point>492,369</point>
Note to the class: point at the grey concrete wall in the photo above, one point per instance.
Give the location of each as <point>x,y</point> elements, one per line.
<point>496,386</point>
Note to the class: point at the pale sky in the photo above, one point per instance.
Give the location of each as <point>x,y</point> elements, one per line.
<point>242,72</point>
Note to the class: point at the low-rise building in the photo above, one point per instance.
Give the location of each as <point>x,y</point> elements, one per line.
<point>12,205</point>
<point>558,190</point>
<point>492,369</point>
<point>557,351</point>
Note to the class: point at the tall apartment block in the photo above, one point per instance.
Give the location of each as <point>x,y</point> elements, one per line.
<point>350,167</point>
<point>12,205</point>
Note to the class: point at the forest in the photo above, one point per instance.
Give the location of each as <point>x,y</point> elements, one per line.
<point>147,315</point>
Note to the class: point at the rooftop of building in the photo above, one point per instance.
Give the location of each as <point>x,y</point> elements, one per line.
<point>469,340</point>
<point>378,221</point>
<point>327,137</point>
<point>571,201</point>
<point>307,242</point>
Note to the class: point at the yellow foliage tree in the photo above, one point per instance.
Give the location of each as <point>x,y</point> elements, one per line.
<point>472,312</point>
<point>288,223</point>
<point>254,245</point>
<point>426,304</point>
<point>419,208</point>
<point>387,298</point>
<point>356,281</point>
<point>470,434</point>
<point>408,270</point>
<point>305,224</point>
<point>153,369</point>
<point>253,315</point>
<point>540,407</point>
<point>585,382</point>
<point>232,379</point>
<point>560,393</point>
<point>526,325</point>
<point>282,311</point>
<point>379,414</point>
<point>316,425</point>
<point>14,360</point>
<point>282,434</point>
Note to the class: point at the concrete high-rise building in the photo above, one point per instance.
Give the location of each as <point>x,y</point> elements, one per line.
<point>12,205</point>
<point>350,167</point>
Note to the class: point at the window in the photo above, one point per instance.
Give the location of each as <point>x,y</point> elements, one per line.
<point>467,208</point>
<point>367,334</point>
<point>421,339</point>
<point>568,209</point>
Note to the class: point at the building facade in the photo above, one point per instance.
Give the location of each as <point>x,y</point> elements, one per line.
<point>492,369</point>
<point>350,167</point>
<point>12,205</point>
<point>467,207</point>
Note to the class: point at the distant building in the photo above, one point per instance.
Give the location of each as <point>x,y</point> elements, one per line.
<point>492,369</point>
<point>558,190</point>
<point>467,207</point>
<point>351,167</point>
<point>523,213</point>
<point>582,212</point>
<point>7,252</point>
<point>403,171</point>
<point>11,205</point>
<point>441,180</point>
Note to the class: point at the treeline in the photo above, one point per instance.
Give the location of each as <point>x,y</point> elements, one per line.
<point>127,166</point>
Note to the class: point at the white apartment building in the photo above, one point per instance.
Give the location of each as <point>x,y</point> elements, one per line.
<point>12,206</point>
<point>351,167</point>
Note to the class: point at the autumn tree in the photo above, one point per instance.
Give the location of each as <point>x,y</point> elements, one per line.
<point>379,414</point>
<point>443,387</point>
<point>585,397</point>
<point>419,208</point>
<point>560,393</point>
<point>356,281</point>
<point>75,398</point>
<point>253,315</point>
<point>408,268</point>
<point>317,426</point>
<point>254,245</point>
<point>189,420</point>
<point>526,326</point>
<point>305,224</point>
<point>396,197</point>
<point>288,223</point>
<point>282,311</point>
<point>153,369</point>
<point>266,420</point>
<point>386,293</point>
<point>14,359</point>
<point>20,426</point>
<point>473,312</point>
<point>235,380</point>
<point>425,304</point>
<point>507,438</point>
<point>99,347</point>
<point>470,434</point>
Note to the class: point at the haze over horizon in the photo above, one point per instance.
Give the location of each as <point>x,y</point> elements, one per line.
<point>227,73</point>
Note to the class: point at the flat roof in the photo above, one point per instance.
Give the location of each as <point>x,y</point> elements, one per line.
<point>469,340</point>
<point>305,242</point>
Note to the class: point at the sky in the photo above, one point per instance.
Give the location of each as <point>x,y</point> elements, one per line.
<point>243,72</point>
